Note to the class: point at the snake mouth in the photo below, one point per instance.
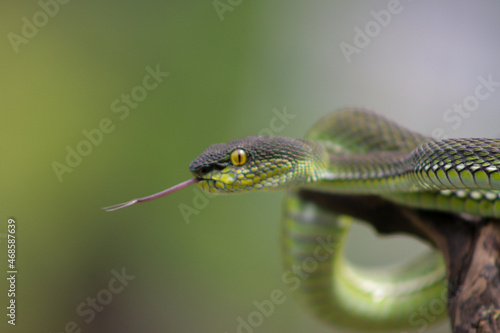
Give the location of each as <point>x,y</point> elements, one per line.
<point>214,186</point>
<point>204,178</point>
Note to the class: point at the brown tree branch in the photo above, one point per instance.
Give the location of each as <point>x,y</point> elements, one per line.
<point>470,246</point>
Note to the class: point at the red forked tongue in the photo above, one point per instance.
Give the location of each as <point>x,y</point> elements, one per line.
<point>153,196</point>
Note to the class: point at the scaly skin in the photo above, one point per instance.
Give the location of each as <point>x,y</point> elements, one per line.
<point>356,151</point>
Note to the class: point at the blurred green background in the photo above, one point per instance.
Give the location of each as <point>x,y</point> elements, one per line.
<point>230,64</point>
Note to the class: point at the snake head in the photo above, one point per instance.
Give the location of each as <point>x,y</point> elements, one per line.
<point>259,162</point>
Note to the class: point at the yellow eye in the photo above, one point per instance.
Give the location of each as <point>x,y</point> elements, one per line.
<point>238,157</point>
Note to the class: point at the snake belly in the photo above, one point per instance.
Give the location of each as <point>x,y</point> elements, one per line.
<point>372,155</point>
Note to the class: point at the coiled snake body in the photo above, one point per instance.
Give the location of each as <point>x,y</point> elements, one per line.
<point>354,151</point>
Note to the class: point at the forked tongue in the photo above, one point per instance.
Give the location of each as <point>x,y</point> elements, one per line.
<point>153,196</point>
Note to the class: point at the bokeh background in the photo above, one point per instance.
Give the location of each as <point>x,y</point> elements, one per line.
<point>230,64</point>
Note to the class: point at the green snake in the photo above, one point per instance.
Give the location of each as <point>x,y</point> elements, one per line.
<point>355,151</point>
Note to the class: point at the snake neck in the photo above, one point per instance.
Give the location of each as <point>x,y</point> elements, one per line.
<point>454,164</point>
<point>383,171</point>
<point>315,167</point>
<point>339,171</point>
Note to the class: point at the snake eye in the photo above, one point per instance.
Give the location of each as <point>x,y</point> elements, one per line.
<point>238,157</point>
